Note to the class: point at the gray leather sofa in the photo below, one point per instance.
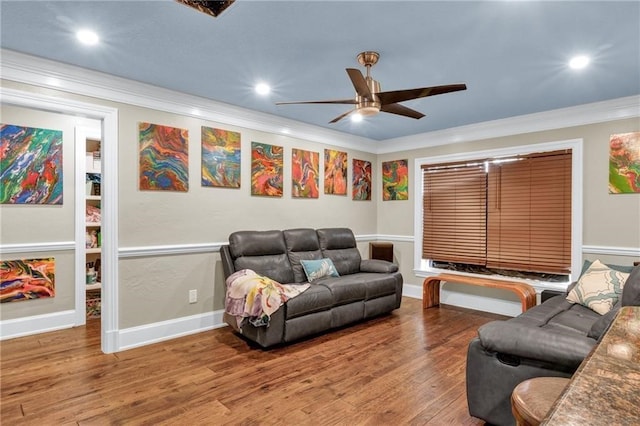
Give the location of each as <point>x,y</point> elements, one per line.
<point>365,288</point>
<point>551,339</point>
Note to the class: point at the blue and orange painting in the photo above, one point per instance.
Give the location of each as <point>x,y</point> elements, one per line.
<point>164,158</point>
<point>220,158</point>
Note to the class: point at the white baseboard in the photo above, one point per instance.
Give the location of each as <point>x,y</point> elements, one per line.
<point>412,290</point>
<point>147,334</point>
<point>19,327</point>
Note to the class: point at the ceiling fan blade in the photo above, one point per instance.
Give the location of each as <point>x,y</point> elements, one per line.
<point>359,82</point>
<point>341,116</point>
<point>334,101</point>
<point>406,95</point>
<point>402,110</point>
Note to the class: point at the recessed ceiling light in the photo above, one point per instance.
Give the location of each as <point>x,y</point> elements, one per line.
<point>87,37</point>
<point>356,118</point>
<point>262,89</point>
<point>579,62</point>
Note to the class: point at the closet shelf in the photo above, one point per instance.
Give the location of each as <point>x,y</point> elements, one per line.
<point>94,286</point>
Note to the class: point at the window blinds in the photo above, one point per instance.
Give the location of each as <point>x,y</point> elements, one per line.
<point>506,214</point>
<point>454,226</point>
<point>529,214</point>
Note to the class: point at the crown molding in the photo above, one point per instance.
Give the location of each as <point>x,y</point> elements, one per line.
<point>22,68</point>
<point>597,112</point>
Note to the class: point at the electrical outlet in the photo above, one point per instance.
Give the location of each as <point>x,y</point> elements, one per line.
<point>193,296</point>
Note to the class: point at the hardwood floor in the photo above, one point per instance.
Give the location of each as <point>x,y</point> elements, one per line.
<point>403,368</point>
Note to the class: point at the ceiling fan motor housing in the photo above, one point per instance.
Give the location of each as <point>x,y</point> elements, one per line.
<point>366,106</point>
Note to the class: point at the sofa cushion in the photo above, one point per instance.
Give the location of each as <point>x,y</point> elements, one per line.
<point>602,324</point>
<point>262,251</point>
<point>376,285</point>
<point>316,269</point>
<point>302,244</point>
<point>631,290</point>
<point>315,299</point>
<point>576,319</point>
<point>339,245</point>
<point>598,288</point>
<point>345,289</point>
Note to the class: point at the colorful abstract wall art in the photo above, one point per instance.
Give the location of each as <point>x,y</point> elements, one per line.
<point>30,165</point>
<point>395,180</point>
<point>266,169</point>
<point>164,156</point>
<point>624,163</point>
<point>305,167</point>
<point>335,172</point>
<point>27,279</point>
<point>361,188</point>
<point>220,158</point>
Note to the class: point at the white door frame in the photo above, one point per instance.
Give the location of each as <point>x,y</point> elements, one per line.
<point>109,133</point>
<point>81,136</point>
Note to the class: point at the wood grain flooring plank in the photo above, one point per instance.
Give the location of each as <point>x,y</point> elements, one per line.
<point>404,368</point>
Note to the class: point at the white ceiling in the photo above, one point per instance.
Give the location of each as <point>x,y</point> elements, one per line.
<point>511,54</point>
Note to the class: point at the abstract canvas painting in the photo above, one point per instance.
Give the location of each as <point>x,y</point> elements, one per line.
<point>624,163</point>
<point>395,180</point>
<point>30,165</point>
<point>266,169</point>
<point>361,181</point>
<point>305,166</point>
<point>164,158</point>
<point>220,158</point>
<point>335,172</point>
<point>27,279</point>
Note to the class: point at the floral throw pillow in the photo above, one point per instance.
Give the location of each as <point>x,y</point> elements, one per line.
<point>315,269</point>
<point>598,288</point>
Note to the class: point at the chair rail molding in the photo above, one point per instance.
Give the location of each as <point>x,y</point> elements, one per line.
<point>612,251</point>
<point>37,247</point>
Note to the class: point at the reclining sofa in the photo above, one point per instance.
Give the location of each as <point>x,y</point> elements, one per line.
<point>550,339</point>
<point>364,289</point>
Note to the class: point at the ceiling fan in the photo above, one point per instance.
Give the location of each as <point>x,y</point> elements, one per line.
<point>370,100</point>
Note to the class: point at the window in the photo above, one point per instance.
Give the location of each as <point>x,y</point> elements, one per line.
<point>507,214</point>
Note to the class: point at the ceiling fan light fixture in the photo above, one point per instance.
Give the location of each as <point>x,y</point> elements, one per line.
<point>368,111</point>
<point>356,117</point>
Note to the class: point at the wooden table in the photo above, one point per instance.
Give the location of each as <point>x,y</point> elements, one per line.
<point>606,388</point>
<point>431,288</point>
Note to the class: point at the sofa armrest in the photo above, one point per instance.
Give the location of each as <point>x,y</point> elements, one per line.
<point>532,342</point>
<point>227,261</point>
<point>378,266</point>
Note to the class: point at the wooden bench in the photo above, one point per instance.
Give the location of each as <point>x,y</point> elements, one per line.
<point>431,288</point>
